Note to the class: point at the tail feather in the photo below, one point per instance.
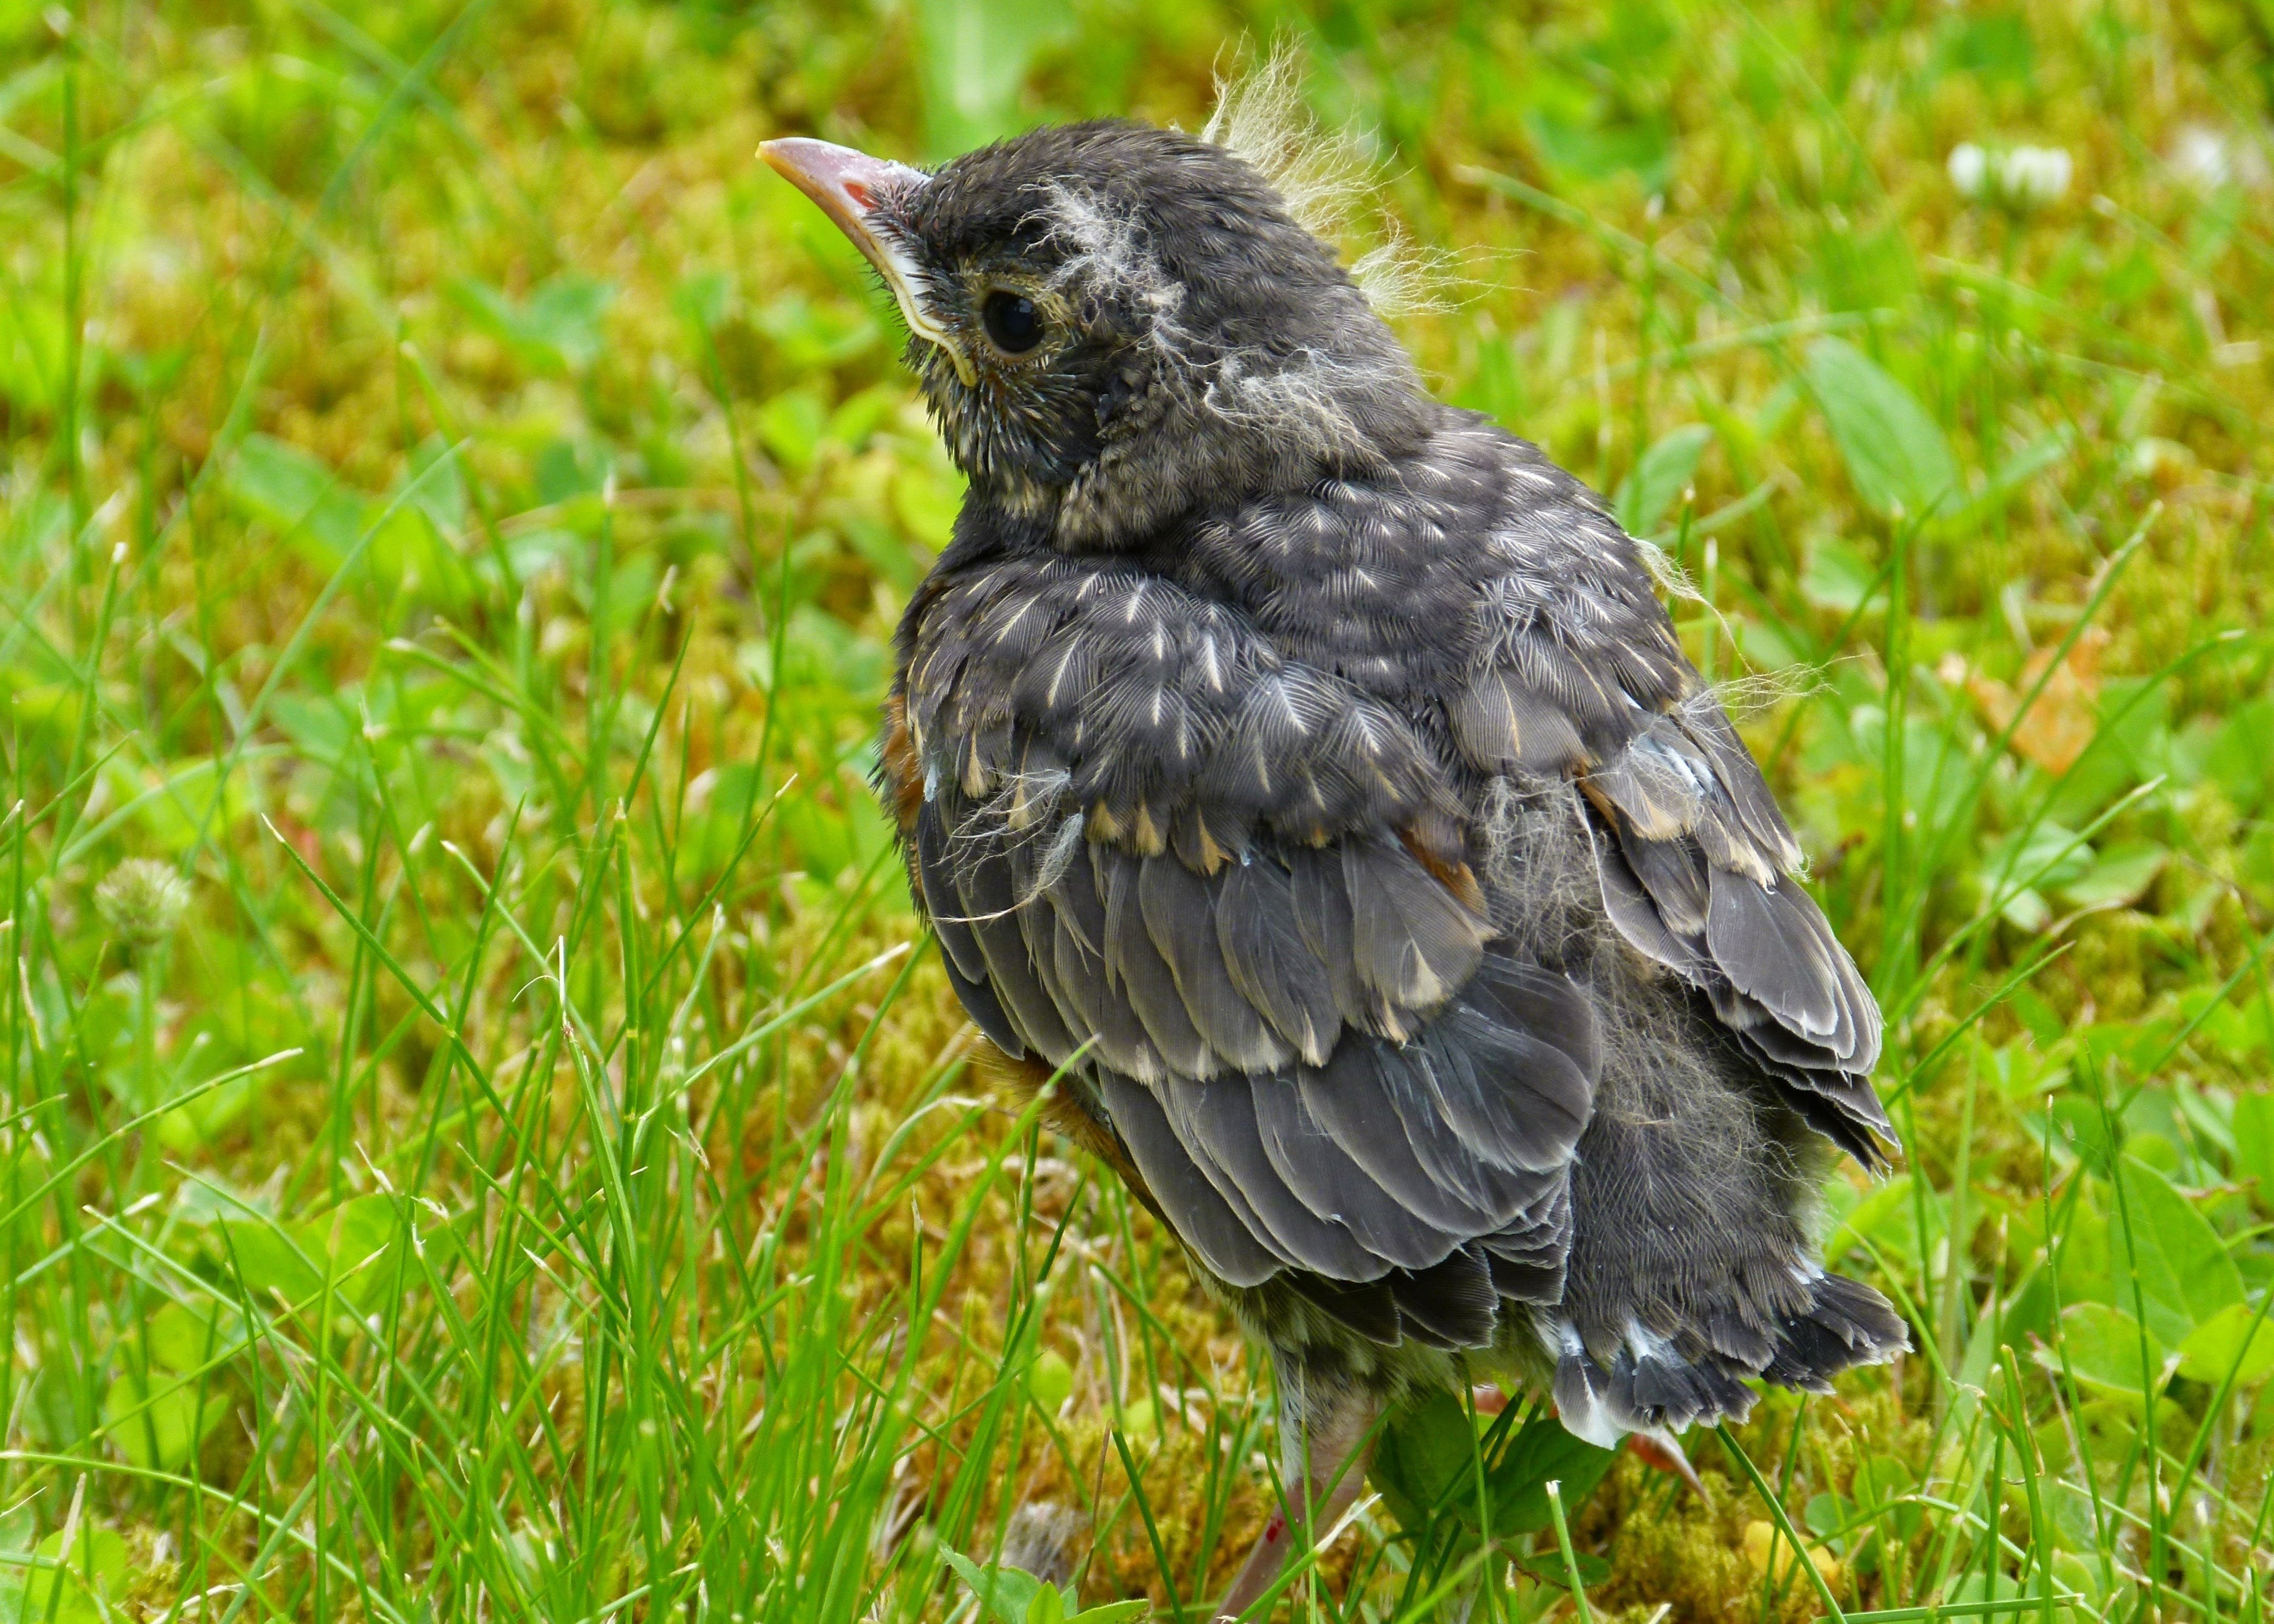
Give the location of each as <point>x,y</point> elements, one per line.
<point>1450,1305</point>
<point>1845,1325</point>
<point>1658,1385</point>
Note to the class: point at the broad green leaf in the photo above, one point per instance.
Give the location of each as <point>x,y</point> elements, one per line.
<point>1591,149</point>
<point>181,1337</point>
<point>2026,910</point>
<point>2049,856</point>
<point>1007,1593</point>
<point>2105,1430</point>
<point>1882,1487</point>
<point>1425,1451</point>
<point>1141,1421</point>
<point>2018,871</point>
<point>858,417</point>
<point>270,1260</point>
<point>926,498</point>
<point>2119,877</point>
<point>353,1233</point>
<point>88,1587</point>
<point>1541,1453</point>
<point>816,338</point>
<point>161,1424</point>
<point>441,482</point>
<point>2245,1031</point>
<point>2046,451</point>
<point>564,316</point>
<point>2228,1342</point>
<point>1838,577</point>
<point>2132,742</point>
<point>1546,1567</point>
<point>2183,1270</point>
<point>2254,1141</point>
<point>885,548</point>
<point>33,345</point>
<point>2106,1350</point>
<point>294,1260</point>
<point>565,470</point>
<point>174,805</point>
<point>1827,1514</point>
<point>2237,758</point>
<point>410,554</point>
<point>1111,1612</point>
<point>1896,454</point>
<point>1995,44</point>
<point>1974,1593</point>
<point>1049,1381</point>
<point>1659,478</point>
<point>559,327</point>
<point>1425,1465</point>
<point>704,297</point>
<point>791,425</point>
<point>296,496</point>
<point>1888,1217</point>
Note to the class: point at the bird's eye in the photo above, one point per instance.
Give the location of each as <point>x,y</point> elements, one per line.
<point>1014,324</point>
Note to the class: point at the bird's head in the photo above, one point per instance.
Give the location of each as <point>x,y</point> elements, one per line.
<point>1116,324</point>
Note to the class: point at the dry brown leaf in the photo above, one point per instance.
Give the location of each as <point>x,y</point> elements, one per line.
<point>2061,722</point>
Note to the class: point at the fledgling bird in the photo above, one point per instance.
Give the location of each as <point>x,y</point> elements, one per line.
<point>1308,773</point>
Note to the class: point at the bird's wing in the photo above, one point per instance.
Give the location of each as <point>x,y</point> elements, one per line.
<point>1228,890</point>
<point>1578,673</point>
<point>1700,873</point>
<point>1052,707</point>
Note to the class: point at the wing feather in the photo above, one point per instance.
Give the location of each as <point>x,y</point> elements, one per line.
<point>1324,1179</point>
<point>1579,675</point>
<point>1179,908</point>
<point>1345,1097</point>
<point>1697,871</point>
<point>1450,1305</point>
<point>1134,966</point>
<point>1413,942</point>
<point>1324,919</point>
<point>1225,1239</point>
<point>1218,1120</point>
<point>1269,963</point>
<point>990,901</point>
<point>1077,943</point>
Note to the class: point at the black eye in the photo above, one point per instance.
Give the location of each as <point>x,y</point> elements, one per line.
<point>1013,322</point>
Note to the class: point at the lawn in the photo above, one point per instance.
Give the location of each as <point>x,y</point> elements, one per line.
<point>485,1137</point>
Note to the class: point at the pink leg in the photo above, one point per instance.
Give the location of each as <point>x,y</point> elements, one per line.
<point>1324,1435</point>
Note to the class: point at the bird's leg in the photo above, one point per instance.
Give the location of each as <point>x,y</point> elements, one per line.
<point>1325,1433</point>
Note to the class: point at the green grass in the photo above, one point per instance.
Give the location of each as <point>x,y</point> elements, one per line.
<point>454,507</point>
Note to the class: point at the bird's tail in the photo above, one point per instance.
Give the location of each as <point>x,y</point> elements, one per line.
<point>1654,1385</point>
<point>1692,1265</point>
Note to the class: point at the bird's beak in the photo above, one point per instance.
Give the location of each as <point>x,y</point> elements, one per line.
<point>848,185</point>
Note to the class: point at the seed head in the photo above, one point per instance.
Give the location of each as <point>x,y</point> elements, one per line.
<point>143,900</point>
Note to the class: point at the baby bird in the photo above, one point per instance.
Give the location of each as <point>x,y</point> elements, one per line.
<point>1305,774</point>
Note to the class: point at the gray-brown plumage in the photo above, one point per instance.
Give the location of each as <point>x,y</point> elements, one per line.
<point>1309,770</point>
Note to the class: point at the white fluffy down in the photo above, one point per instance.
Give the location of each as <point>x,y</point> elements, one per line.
<point>1330,182</point>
